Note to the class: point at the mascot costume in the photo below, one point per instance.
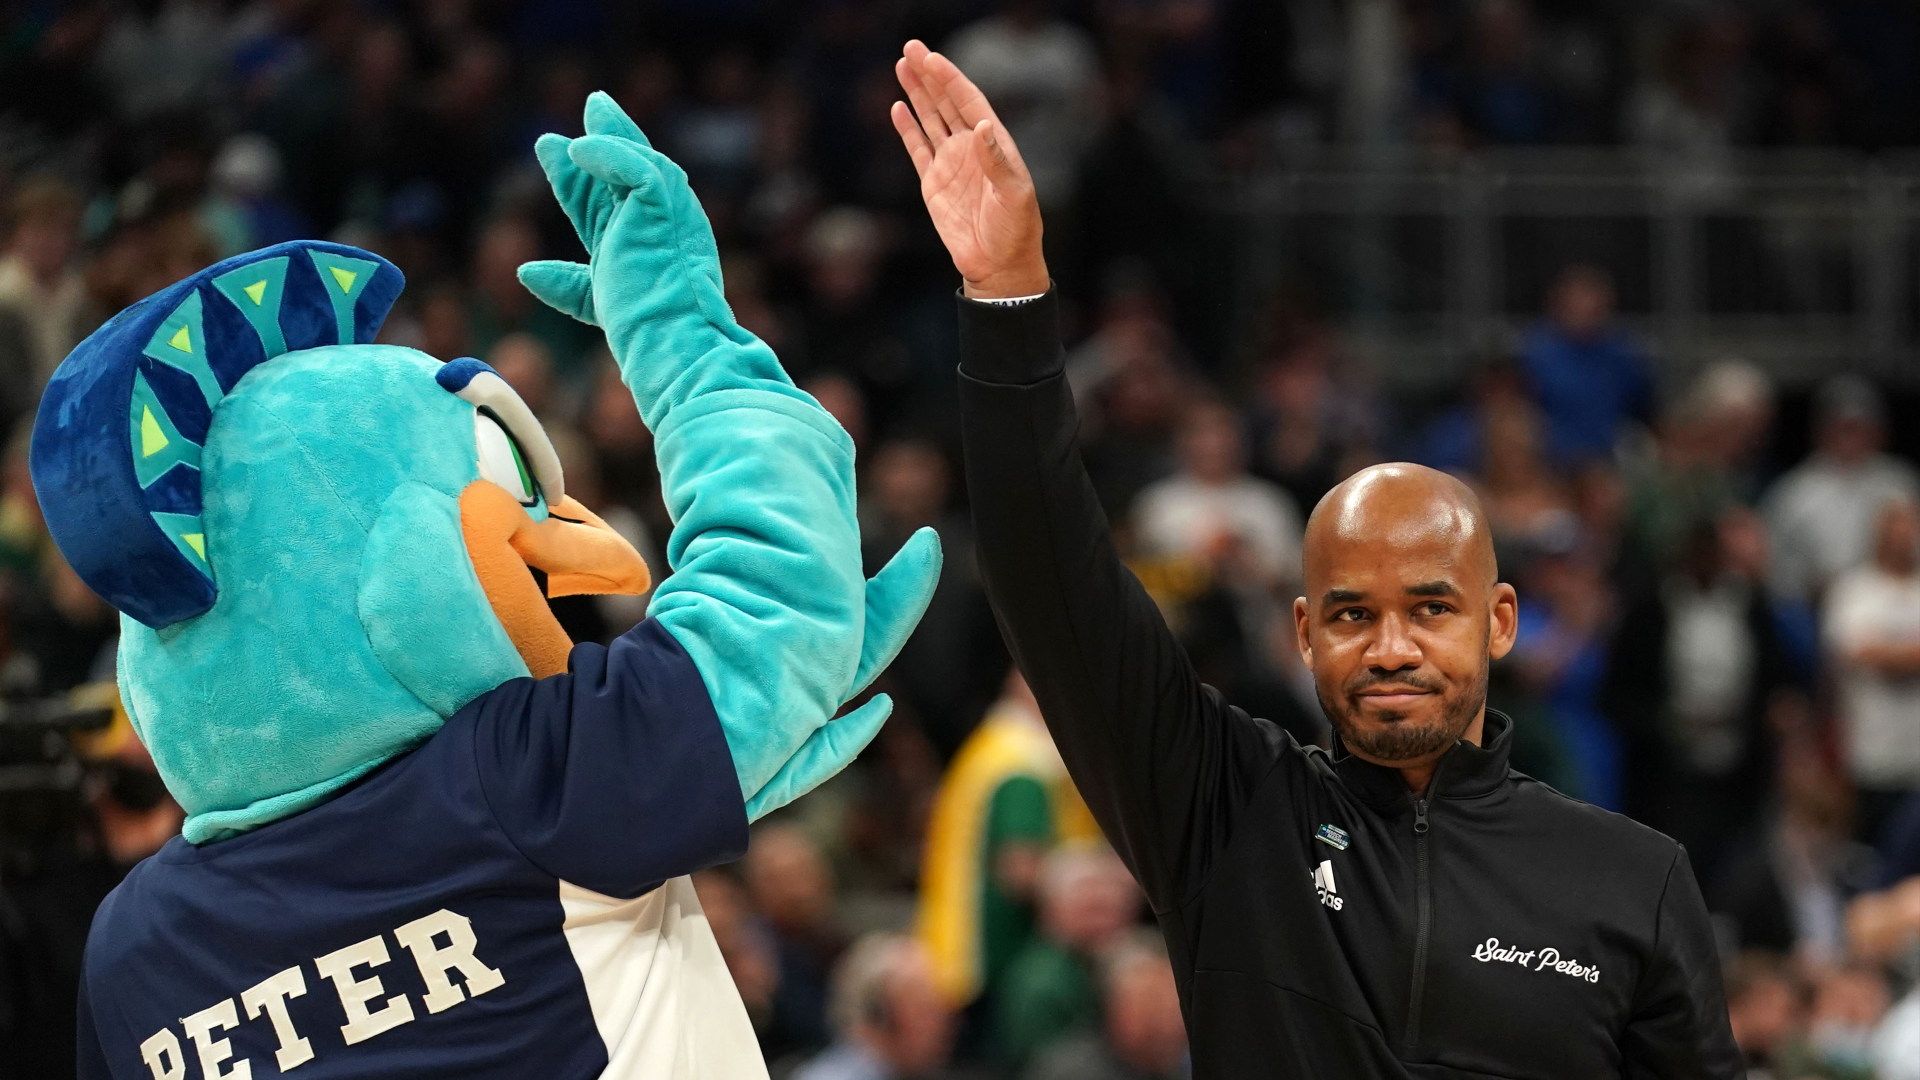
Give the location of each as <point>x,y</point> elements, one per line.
<point>427,835</point>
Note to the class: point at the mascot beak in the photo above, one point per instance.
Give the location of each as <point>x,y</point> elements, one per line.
<point>522,562</point>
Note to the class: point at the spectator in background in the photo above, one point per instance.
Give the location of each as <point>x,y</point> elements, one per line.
<point>1735,401</point>
<point>1785,882</point>
<point>950,668</point>
<point>1003,804</point>
<point>40,283</point>
<point>1311,429</point>
<point>1087,901</point>
<point>1560,659</point>
<point>1047,72</point>
<point>1693,665</point>
<point>1765,1004</point>
<point>1526,501</point>
<point>1144,1036</point>
<point>1872,624</point>
<point>847,326</point>
<point>743,941</point>
<point>500,305</point>
<point>792,886</point>
<point>1455,440</point>
<point>842,399</point>
<point>1213,512</point>
<point>525,363</point>
<point>1821,513</point>
<point>890,1020</point>
<point>1587,375</point>
<point>245,196</point>
<point>1130,382</point>
<point>1503,95</point>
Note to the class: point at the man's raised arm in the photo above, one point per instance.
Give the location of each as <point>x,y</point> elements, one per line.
<point>1163,762</point>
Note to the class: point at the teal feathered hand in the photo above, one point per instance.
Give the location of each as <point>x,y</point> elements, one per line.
<point>766,592</point>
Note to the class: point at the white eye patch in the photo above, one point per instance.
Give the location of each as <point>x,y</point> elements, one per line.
<point>501,462</point>
<point>514,450</point>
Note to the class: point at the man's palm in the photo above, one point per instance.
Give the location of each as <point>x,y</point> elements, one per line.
<point>983,226</point>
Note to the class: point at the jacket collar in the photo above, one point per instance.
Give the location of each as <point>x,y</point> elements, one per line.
<point>1466,771</point>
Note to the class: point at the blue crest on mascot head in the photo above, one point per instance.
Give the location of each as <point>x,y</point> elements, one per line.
<point>286,516</point>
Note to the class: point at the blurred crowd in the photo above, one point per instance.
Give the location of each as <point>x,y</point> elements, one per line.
<point>1720,597</point>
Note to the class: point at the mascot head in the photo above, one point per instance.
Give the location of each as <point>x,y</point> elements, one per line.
<point>321,547</point>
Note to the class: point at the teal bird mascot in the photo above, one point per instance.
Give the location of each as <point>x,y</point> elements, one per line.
<point>426,834</point>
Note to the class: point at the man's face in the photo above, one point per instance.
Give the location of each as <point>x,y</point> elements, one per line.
<point>1399,625</point>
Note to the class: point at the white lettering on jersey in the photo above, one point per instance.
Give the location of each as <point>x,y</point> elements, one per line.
<point>1323,885</point>
<point>161,1052</point>
<point>272,995</point>
<point>434,962</point>
<point>200,1027</point>
<point>1491,949</point>
<point>363,1023</point>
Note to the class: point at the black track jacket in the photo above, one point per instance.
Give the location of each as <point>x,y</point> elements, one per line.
<point>1322,922</point>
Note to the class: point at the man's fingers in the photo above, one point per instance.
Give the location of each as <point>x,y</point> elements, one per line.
<point>918,148</point>
<point>993,159</point>
<point>923,107</point>
<point>935,73</point>
<point>969,103</point>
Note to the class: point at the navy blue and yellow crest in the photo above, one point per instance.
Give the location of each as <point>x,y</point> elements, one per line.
<point>117,444</point>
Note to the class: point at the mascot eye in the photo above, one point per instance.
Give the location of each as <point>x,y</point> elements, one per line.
<point>501,462</point>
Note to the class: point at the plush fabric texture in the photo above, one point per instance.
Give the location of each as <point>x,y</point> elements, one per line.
<point>766,593</point>
<point>328,477</point>
<point>405,571</point>
<point>119,440</point>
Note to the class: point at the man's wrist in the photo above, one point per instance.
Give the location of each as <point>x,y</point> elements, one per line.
<point>1028,280</point>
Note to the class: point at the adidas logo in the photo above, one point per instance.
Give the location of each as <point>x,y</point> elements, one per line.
<point>1323,884</point>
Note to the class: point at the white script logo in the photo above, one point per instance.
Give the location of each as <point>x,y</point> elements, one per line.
<point>1323,884</point>
<point>1548,959</point>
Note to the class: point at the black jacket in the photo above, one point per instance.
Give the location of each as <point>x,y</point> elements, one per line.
<point>1322,922</point>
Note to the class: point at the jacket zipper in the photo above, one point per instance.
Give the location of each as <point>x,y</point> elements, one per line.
<point>1426,922</point>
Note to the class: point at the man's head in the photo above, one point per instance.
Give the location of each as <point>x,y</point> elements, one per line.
<point>1402,613</point>
<point>790,879</point>
<point>1211,447</point>
<point>1581,300</point>
<point>1849,419</point>
<point>1087,898</point>
<point>884,999</point>
<point>1143,1006</point>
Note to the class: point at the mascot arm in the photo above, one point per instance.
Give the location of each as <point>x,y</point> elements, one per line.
<point>766,592</point>
<point>627,739</point>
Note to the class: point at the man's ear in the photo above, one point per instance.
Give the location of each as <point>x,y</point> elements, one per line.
<point>1300,639</point>
<point>1503,618</point>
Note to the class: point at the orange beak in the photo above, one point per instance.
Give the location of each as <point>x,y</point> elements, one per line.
<point>576,551</point>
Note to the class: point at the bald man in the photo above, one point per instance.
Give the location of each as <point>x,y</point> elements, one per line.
<point>1403,905</point>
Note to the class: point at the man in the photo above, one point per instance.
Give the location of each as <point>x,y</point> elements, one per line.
<point>1402,906</point>
<point>1821,513</point>
<point>1087,902</point>
<point>1142,1037</point>
<point>890,1018</point>
<point>1003,803</point>
<point>1873,634</point>
<point>1585,372</point>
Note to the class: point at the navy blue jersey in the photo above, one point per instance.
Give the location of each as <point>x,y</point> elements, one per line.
<point>508,900</point>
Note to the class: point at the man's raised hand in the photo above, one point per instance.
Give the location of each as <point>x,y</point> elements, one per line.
<point>976,187</point>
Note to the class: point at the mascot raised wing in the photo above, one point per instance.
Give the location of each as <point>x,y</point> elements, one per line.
<point>427,835</point>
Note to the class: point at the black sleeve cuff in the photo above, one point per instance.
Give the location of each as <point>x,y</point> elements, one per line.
<point>1011,344</point>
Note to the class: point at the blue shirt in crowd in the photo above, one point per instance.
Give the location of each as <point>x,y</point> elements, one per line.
<point>1586,388</point>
